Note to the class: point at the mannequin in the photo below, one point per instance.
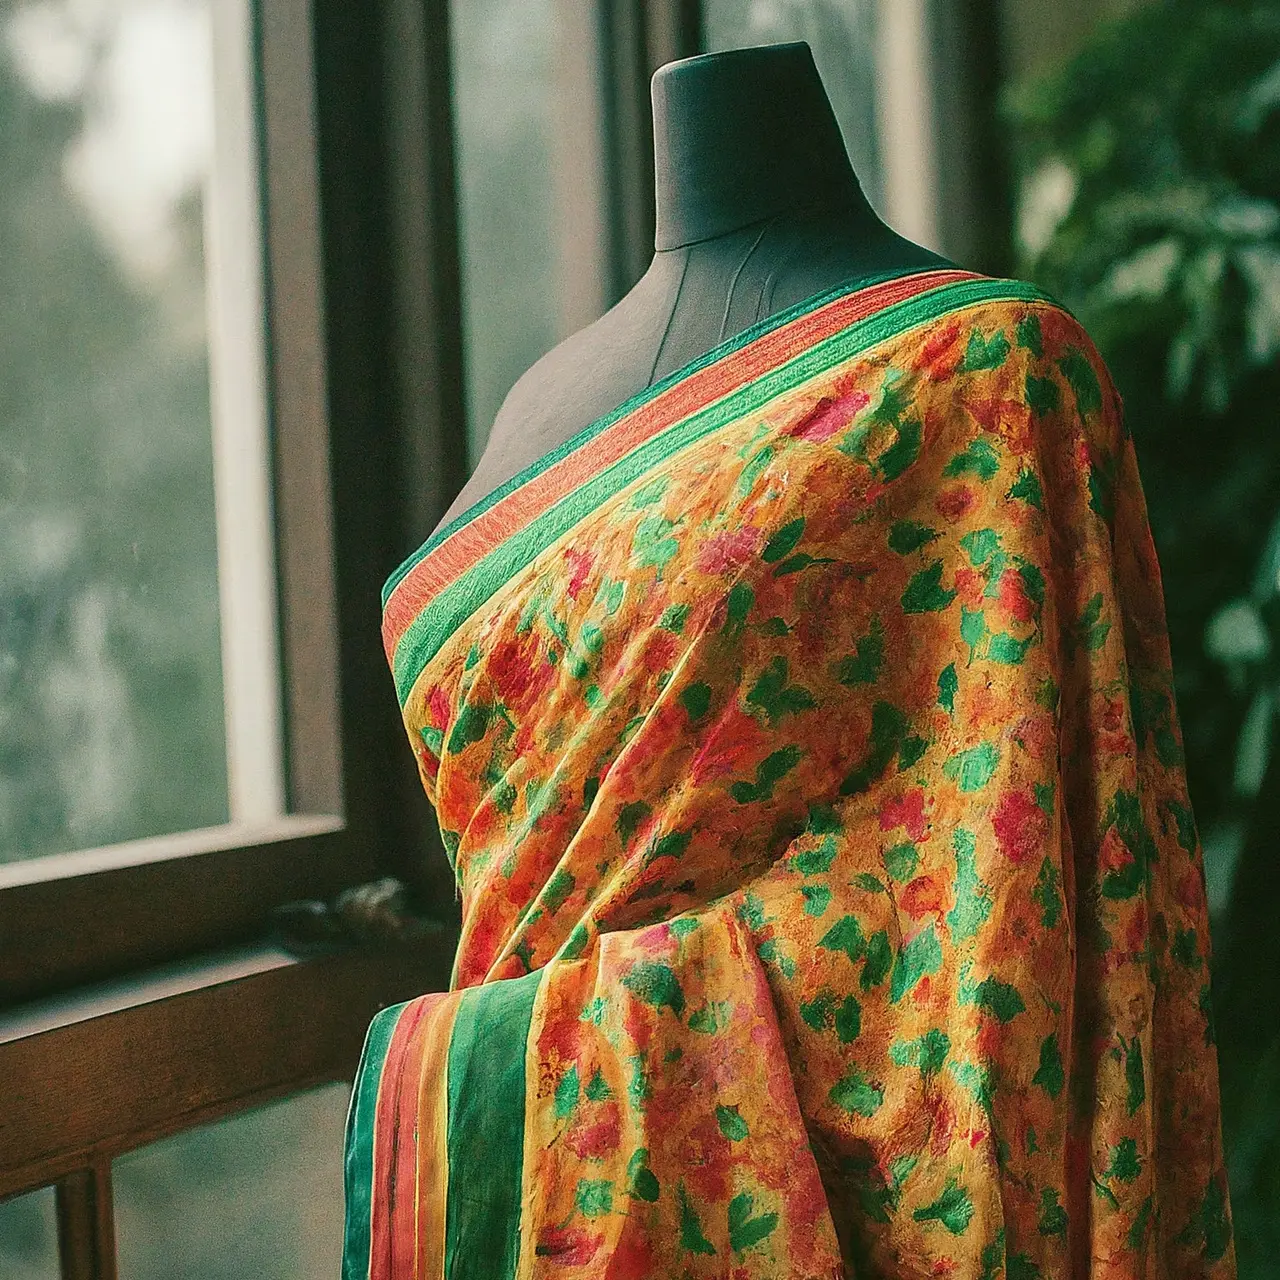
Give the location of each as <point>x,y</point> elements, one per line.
<point>758,208</point>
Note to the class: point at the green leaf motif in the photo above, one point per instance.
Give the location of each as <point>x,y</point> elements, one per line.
<point>901,861</point>
<point>845,935</point>
<point>928,1053</point>
<point>903,452</point>
<point>953,1209</point>
<point>985,353</point>
<point>558,889</point>
<point>692,1239</point>
<point>819,1013</point>
<point>1046,895</point>
<point>925,592</point>
<point>907,536</point>
<point>776,765</point>
<point>921,956</point>
<point>888,727</point>
<point>1028,334</point>
<point>1135,1078</point>
<point>738,605</point>
<point>696,700</point>
<point>879,960</point>
<point>1053,1217</point>
<point>643,1184</point>
<point>995,997</point>
<point>980,545</point>
<point>1083,381</point>
<point>1042,395</point>
<point>979,459</point>
<point>848,1020</point>
<point>948,683</point>
<point>471,725</point>
<point>1005,649</point>
<point>971,770</point>
<point>598,1088</point>
<point>774,696</point>
<point>732,1125</point>
<point>594,1198</point>
<point>566,1095</point>
<point>1125,1164</point>
<point>812,862</point>
<point>863,665</point>
<point>784,540</point>
<point>712,1017</point>
<point>1049,1075</point>
<point>656,984</point>
<point>817,898</point>
<point>744,1230</point>
<point>856,1095</point>
<point>1027,488</point>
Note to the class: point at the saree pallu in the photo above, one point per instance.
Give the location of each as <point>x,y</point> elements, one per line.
<point>803,739</point>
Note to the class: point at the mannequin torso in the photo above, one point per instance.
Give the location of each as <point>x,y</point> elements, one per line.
<point>758,209</point>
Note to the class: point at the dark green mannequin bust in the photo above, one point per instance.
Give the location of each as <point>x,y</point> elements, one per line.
<point>758,208</point>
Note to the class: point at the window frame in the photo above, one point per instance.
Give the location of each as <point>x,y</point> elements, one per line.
<point>354,806</point>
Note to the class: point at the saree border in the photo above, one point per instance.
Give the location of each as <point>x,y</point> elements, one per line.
<point>422,614</point>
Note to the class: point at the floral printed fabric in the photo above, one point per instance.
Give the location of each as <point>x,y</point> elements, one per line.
<point>832,901</point>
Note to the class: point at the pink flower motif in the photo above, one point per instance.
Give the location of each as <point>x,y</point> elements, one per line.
<point>830,415</point>
<point>1021,826</point>
<point>726,552</point>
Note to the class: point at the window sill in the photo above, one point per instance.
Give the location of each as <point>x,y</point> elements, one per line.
<point>102,1070</point>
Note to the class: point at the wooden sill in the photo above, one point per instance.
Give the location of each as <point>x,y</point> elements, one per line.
<point>88,1075</point>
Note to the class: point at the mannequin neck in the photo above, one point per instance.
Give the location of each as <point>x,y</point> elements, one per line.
<point>743,136</point>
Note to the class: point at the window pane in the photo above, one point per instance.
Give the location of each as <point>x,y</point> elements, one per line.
<point>532,204</point>
<point>503,66</point>
<point>111,705</point>
<point>841,34</point>
<point>29,1237</point>
<point>259,1194</point>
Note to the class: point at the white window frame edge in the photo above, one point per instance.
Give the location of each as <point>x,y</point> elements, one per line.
<point>905,116</point>
<point>252,693</point>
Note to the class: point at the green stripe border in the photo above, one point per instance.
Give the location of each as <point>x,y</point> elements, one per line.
<point>451,607</point>
<point>358,1158</point>
<point>487,1107</point>
<point>812,303</point>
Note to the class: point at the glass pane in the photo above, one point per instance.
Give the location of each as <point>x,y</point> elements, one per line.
<point>259,1194</point>
<point>111,701</point>
<point>29,1237</point>
<point>841,34</point>
<point>504,62</point>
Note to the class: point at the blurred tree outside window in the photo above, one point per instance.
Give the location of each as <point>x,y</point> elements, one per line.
<point>111,699</point>
<point>1149,203</point>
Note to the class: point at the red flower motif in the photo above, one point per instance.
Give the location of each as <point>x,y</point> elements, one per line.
<point>940,355</point>
<point>568,1246</point>
<point>580,563</point>
<point>952,503</point>
<point>727,552</point>
<point>594,1140</point>
<point>906,810</point>
<point>1013,596</point>
<point>732,742</point>
<point>829,415</point>
<point>1021,825</point>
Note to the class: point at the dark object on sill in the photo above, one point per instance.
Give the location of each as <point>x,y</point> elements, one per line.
<point>375,913</point>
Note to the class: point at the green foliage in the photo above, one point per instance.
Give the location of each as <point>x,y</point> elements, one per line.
<point>1149,204</point>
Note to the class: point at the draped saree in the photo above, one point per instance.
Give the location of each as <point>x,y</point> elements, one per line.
<point>803,740</point>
